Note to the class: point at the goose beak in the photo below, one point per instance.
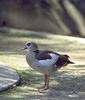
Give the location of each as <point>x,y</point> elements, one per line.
<point>24,48</point>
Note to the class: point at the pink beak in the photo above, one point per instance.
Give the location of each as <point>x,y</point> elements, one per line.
<point>24,48</point>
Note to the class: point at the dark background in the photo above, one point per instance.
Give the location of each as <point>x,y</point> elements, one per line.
<point>54,16</point>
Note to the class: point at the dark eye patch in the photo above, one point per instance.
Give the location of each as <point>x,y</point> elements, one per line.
<point>28,44</point>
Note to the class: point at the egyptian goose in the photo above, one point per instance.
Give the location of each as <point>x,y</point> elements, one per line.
<point>46,62</point>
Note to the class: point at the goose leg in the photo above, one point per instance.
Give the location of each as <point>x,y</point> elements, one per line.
<point>46,85</point>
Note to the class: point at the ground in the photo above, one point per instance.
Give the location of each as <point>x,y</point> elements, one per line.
<point>66,84</point>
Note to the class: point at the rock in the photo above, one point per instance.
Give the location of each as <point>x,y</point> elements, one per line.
<point>8,77</point>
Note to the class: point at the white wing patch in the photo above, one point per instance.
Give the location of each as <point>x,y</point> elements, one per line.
<point>49,62</point>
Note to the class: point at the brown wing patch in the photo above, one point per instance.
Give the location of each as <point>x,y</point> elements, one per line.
<point>66,56</point>
<point>42,55</point>
<point>62,61</point>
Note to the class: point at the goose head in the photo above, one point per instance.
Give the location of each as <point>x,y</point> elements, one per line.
<point>30,46</point>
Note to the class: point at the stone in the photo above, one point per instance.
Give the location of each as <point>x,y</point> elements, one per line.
<point>8,77</point>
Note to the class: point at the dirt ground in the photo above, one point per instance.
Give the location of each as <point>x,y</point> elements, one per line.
<point>66,84</point>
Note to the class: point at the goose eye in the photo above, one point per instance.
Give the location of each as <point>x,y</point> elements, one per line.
<point>28,44</point>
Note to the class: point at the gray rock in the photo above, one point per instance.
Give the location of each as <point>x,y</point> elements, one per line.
<point>8,77</point>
